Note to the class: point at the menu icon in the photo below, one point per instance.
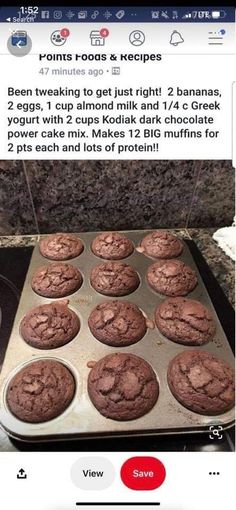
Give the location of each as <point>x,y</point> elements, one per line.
<point>216,38</point>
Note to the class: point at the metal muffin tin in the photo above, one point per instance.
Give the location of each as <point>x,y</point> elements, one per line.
<point>81,418</point>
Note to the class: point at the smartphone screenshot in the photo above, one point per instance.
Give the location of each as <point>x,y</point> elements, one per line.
<point>117,251</point>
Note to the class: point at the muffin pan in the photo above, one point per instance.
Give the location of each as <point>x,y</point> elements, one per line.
<point>81,419</point>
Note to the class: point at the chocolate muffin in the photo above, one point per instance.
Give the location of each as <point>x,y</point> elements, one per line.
<point>112,245</point>
<point>117,323</point>
<point>61,246</point>
<point>185,321</point>
<point>114,279</point>
<point>171,277</point>
<point>50,326</point>
<point>201,382</point>
<point>161,244</point>
<point>123,386</point>
<point>56,280</point>
<point>40,391</point>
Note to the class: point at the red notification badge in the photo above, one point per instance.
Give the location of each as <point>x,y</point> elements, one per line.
<point>143,473</point>
<point>65,32</point>
<point>104,32</point>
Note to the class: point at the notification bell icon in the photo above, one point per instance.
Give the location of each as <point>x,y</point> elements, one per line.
<point>176,38</point>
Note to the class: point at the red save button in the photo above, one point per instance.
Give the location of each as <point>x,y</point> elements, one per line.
<point>143,473</point>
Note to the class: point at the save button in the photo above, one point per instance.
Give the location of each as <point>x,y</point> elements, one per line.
<point>143,473</point>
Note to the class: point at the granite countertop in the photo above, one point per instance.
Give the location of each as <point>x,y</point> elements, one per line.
<point>220,264</point>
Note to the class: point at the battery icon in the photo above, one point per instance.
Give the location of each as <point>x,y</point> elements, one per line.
<point>218,14</point>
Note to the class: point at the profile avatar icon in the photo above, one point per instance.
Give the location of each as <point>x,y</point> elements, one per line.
<point>136,37</point>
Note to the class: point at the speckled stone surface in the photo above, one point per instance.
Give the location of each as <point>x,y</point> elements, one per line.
<point>221,265</point>
<point>51,196</point>
<point>103,195</point>
<point>213,202</point>
<point>16,209</point>
<point>18,241</point>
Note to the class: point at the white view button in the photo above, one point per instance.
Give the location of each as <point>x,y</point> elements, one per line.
<point>93,473</point>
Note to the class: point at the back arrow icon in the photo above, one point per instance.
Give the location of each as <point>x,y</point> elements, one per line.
<point>19,44</point>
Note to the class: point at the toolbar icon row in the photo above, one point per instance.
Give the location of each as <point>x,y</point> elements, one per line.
<point>20,44</point>
<point>82,15</point>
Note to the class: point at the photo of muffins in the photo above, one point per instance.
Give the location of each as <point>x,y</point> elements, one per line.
<point>40,391</point>
<point>161,244</point>
<point>123,386</point>
<point>117,323</point>
<point>56,280</point>
<point>201,382</point>
<point>112,246</point>
<point>185,321</point>
<point>114,279</point>
<point>50,326</point>
<point>61,246</point>
<point>171,278</point>
<point>136,348</point>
